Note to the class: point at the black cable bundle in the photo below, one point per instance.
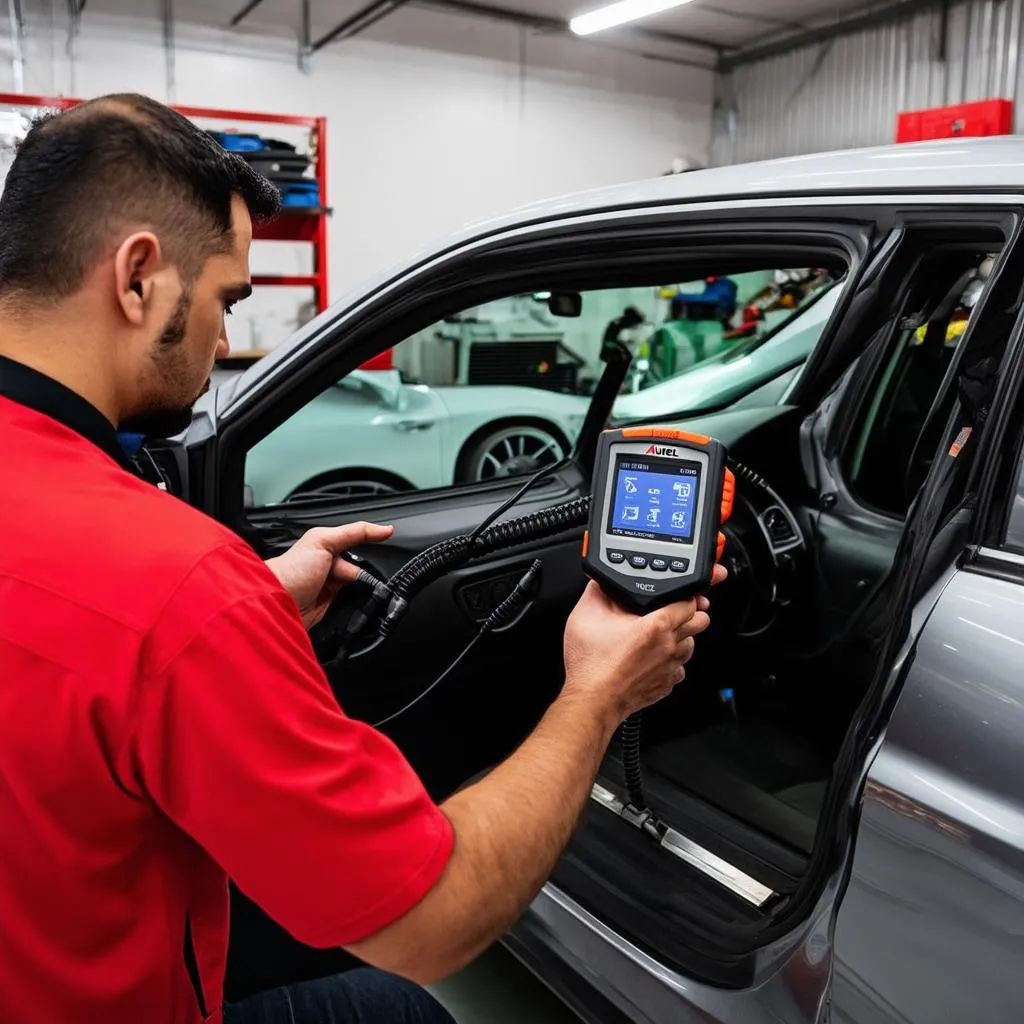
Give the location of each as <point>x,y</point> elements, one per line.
<point>505,614</point>
<point>430,565</point>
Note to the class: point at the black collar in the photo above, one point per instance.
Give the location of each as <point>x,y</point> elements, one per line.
<point>31,388</point>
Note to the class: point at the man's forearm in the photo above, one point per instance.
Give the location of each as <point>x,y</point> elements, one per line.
<point>510,828</point>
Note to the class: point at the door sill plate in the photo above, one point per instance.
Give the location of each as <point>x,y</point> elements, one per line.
<point>725,874</point>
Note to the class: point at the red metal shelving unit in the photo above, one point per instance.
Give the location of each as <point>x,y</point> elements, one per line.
<point>295,224</point>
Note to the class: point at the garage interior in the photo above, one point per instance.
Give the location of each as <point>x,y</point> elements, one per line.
<point>391,123</point>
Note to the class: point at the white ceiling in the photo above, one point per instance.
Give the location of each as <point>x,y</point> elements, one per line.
<point>727,23</point>
<point>724,24</point>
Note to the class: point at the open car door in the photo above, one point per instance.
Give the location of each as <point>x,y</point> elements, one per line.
<point>493,697</point>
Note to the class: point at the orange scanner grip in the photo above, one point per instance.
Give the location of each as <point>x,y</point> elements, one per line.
<point>666,432</point>
<point>586,542</point>
<point>721,547</point>
<point>728,494</point>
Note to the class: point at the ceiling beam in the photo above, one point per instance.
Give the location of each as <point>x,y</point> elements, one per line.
<point>826,33</point>
<point>244,13</point>
<point>547,23</point>
<point>747,16</point>
<point>373,12</point>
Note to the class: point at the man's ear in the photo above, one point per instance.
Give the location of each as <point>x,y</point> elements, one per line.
<point>137,262</point>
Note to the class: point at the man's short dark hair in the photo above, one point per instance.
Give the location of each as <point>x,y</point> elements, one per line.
<point>82,176</point>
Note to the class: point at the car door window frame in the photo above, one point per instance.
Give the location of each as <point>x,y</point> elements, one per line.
<point>999,475</point>
<point>520,264</point>
<point>866,375</point>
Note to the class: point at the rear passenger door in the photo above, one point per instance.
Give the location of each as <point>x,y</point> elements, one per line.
<point>870,446</point>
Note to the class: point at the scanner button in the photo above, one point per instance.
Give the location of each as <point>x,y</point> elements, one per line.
<point>638,561</point>
<point>616,557</point>
<point>659,564</point>
<point>679,565</point>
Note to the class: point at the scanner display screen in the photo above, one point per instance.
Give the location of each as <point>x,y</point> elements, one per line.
<point>655,499</point>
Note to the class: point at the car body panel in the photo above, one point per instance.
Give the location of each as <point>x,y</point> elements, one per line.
<point>343,429</point>
<point>470,406</point>
<point>570,942</point>
<point>932,925</point>
<point>350,430</point>
<point>947,165</point>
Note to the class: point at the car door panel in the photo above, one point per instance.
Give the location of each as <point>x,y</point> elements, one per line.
<point>493,699</point>
<point>933,918</point>
<point>480,713</point>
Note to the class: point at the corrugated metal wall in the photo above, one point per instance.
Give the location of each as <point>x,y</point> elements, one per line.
<point>847,92</point>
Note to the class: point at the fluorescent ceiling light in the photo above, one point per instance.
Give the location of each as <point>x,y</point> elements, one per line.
<point>619,13</point>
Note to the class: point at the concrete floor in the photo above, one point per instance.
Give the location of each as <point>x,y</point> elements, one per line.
<point>497,989</point>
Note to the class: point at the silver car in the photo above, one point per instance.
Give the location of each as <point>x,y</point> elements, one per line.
<point>838,783</point>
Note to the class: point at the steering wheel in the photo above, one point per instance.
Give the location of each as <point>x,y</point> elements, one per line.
<point>763,550</point>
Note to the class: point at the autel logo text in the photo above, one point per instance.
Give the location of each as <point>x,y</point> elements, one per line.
<point>655,449</point>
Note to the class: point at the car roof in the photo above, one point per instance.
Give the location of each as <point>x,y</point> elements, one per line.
<point>949,165</point>
<point>946,166</point>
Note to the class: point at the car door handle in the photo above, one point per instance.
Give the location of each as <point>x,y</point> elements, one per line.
<point>408,426</point>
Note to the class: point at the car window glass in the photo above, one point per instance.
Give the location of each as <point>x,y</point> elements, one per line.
<point>722,319</point>
<point>891,451</point>
<point>743,369</point>
<point>502,389</point>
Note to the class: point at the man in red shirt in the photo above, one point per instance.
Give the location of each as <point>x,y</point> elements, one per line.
<point>164,724</point>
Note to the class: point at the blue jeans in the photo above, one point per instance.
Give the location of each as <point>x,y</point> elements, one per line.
<point>360,996</point>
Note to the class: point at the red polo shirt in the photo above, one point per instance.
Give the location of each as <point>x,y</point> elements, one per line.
<point>164,725</point>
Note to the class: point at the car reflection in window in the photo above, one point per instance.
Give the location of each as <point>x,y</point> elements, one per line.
<point>779,342</point>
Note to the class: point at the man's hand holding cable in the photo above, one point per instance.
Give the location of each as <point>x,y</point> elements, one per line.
<point>313,571</point>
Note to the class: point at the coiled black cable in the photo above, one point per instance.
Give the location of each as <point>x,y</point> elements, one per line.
<point>436,561</point>
<point>389,601</point>
<point>430,565</point>
<point>631,767</point>
<point>752,478</point>
<point>629,734</point>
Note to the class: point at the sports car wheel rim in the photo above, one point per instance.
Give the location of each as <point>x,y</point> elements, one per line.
<point>515,451</point>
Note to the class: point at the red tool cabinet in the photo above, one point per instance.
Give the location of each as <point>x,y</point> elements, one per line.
<point>989,117</point>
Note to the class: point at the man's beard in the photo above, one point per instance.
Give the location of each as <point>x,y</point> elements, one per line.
<point>159,423</point>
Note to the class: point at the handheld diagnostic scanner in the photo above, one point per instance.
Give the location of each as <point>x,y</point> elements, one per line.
<point>658,501</point>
